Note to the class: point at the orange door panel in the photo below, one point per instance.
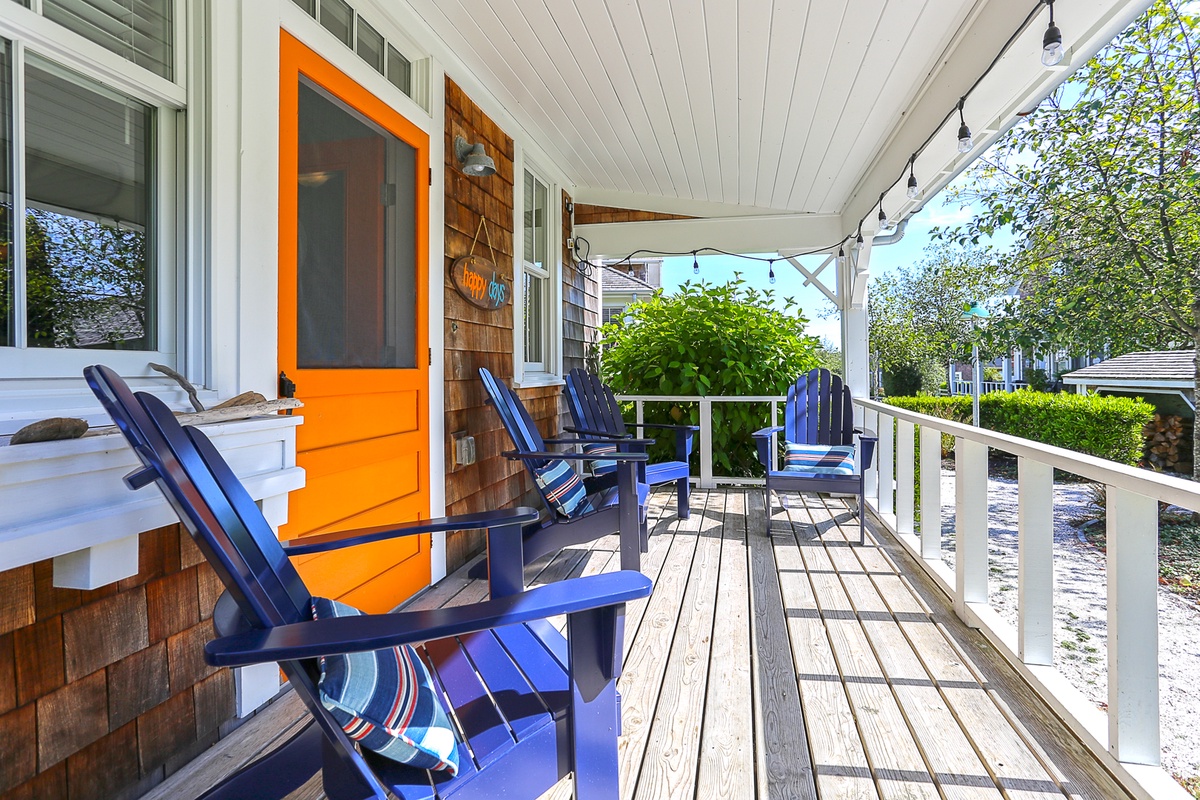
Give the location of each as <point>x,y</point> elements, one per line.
<point>353,278</point>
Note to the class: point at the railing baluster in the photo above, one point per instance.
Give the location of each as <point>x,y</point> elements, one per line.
<point>1035,561</point>
<point>706,454</point>
<point>641,413</point>
<point>970,524</point>
<point>774,436</point>
<point>871,423</point>
<point>931,492</point>
<point>1132,544</point>
<point>906,434</point>
<point>886,459</point>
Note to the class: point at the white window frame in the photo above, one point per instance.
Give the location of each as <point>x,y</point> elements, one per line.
<point>28,32</point>
<point>547,371</point>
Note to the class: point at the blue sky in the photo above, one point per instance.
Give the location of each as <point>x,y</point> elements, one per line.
<point>938,211</point>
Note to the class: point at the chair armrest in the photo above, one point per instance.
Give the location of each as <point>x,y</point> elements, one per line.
<point>664,426</point>
<point>766,432</point>
<point>572,456</point>
<point>327,637</point>
<point>604,434</point>
<point>622,442</point>
<point>867,441</point>
<point>465,522</point>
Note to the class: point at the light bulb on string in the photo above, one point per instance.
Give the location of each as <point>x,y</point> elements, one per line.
<point>771,271</point>
<point>966,142</point>
<point>913,192</point>
<point>695,264</point>
<point>1052,44</point>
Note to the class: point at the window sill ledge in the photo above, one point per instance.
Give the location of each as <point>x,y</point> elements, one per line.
<point>65,500</point>
<point>537,380</point>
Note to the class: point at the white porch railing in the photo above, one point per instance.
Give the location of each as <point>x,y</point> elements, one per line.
<point>964,387</point>
<point>1126,739</point>
<point>707,479</point>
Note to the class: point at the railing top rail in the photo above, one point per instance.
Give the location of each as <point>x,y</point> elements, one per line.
<point>1166,488</point>
<point>695,398</point>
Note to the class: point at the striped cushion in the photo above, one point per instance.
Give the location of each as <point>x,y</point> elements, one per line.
<point>599,449</point>
<point>820,459</point>
<point>385,700</point>
<point>563,488</point>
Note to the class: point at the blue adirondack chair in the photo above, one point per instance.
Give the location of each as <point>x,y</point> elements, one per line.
<point>609,509</point>
<point>597,416</point>
<point>820,437</point>
<point>531,706</point>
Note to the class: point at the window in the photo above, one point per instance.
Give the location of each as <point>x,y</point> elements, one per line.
<point>85,211</point>
<point>140,31</point>
<point>340,19</point>
<point>537,289</point>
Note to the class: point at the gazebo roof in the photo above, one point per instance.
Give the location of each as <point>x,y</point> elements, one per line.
<point>1150,367</point>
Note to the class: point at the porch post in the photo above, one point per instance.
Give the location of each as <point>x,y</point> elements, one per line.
<point>853,274</point>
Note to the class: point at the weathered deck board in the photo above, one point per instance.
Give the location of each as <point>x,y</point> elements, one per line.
<point>727,746</point>
<point>784,754</point>
<point>783,661</point>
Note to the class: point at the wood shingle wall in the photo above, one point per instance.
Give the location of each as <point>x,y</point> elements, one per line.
<point>104,693</point>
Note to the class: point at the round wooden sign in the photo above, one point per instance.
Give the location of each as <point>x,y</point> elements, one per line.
<point>480,283</point>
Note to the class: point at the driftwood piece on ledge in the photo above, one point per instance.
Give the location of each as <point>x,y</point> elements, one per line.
<point>182,381</point>
<point>239,412</point>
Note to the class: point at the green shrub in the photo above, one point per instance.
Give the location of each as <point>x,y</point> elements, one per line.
<point>1107,427</point>
<point>710,340</point>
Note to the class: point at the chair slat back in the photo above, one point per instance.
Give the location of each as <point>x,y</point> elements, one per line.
<point>211,502</point>
<point>592,404</point>
<point>818,410</point>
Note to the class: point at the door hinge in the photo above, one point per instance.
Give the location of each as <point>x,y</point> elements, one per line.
<point>431,356</point>
<point>431,176</point>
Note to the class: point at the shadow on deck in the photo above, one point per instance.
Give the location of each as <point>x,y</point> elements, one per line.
<point>787,664</point>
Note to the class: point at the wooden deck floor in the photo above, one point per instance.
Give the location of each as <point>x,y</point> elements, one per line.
<point>784,664</point>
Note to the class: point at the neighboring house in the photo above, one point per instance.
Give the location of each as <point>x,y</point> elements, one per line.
<point>1155,375</point>
<point>619,288</point>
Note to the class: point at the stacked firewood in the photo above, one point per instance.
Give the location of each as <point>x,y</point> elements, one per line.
<point>1169,443</point>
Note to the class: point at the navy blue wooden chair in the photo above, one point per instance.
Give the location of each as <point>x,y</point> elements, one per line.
<point>596,415</point>
<point>530,705</point>
<point>824,451</point>
<point>609,509</point>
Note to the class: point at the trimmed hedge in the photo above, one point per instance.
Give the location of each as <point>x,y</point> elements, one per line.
<point>1107,427</point>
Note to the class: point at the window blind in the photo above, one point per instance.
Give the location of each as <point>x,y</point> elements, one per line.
<point>141,31</point>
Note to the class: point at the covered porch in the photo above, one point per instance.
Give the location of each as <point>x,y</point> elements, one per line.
<point>797,665</point>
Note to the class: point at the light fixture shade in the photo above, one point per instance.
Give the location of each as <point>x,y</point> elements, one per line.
<point>975,312</point>
<point>913,192</point>
<point>472,159</point>
<point>1052,46</point>
<point>966,142</point>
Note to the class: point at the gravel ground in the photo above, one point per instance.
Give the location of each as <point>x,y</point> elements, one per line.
<point>1079,613</point>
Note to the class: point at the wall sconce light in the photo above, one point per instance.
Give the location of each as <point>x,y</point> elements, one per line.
<point>472,159</point>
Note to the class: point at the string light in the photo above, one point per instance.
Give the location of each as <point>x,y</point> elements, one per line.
<point>913,192</point>
<point>965,141</point>
<point>1052,45</point>
<point>695,264</point>
<point>771,271</point>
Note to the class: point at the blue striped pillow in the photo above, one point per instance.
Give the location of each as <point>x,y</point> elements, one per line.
<point>820,459</point>
<point>604,466</point>
<point>385,700</point>
<point>563,488</point>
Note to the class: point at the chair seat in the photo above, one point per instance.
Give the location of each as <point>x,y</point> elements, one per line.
<point>500,707</point>
<point>818,459</point>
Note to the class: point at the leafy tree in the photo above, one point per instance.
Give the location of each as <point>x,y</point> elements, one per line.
<point>915,314</point>
<point>829,356</point>
<point>1101,186</point>
<point>710,340</point>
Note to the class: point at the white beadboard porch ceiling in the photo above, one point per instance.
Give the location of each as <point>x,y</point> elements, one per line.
<point>749,107</point>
